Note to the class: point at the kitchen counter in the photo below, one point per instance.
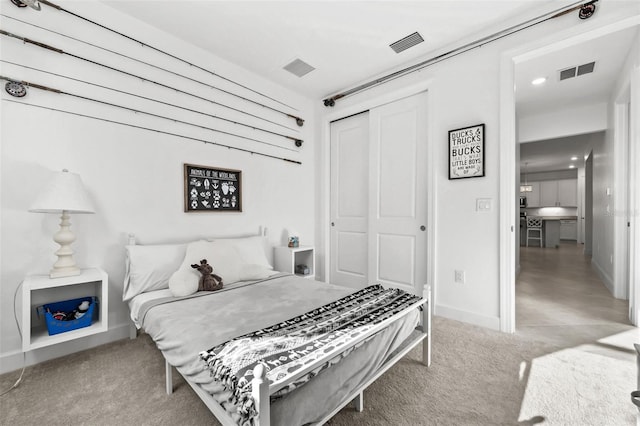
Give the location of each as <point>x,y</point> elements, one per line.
<point>558,217</point>
<point>550,230</point>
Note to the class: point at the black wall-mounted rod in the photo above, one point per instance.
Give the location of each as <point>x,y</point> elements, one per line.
<point>331,101</point>
<point>156,67</point>
<point>299,120</point>
<point>62,92</point>
<point>297,141</point>
<point>166,86</point>
<point>107,120</point>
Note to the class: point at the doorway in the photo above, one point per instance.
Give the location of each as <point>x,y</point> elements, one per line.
<point>508,172</point>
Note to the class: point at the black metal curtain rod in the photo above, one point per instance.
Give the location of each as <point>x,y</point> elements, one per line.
<point>299,120</point>
<point>107,120</point>
<point>586,11</point>
<point>57,50</point>
<point>62,92</point>
<point>298,142</point>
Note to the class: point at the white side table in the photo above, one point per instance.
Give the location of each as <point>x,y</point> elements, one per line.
<point>38,290</point>
<point>287,258</point>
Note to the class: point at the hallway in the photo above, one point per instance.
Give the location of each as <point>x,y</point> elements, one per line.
<point>561,299</point>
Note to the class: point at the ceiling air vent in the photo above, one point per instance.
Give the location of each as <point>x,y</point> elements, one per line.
<point>586,68</point>
<point>577,71</point>
<point>299,67</point>
<point>407,42</point>
<point>568,73</point>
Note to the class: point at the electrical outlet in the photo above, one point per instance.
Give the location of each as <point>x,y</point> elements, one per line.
<point>459,276</point>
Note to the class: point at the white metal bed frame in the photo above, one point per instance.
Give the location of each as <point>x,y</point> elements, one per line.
<point>260,385</point>
<point>261,392</point>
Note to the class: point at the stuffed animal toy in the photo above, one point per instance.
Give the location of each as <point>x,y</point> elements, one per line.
<point>208,281</point>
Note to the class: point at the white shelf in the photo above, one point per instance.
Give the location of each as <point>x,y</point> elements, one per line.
<point>286,259</point>
<point>40,289</point>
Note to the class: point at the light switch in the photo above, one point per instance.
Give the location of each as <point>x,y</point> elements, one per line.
<point>483,204</point>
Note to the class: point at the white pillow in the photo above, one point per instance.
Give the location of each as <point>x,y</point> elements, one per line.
<point>250,249</point>
<point>222,257</point>
<point>249,272</point>
<point>149,267</point>
<point>184,282</point>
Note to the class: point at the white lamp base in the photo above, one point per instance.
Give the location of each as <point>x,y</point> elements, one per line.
<point>65,266</point>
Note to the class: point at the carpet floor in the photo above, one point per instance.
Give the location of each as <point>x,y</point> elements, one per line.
<point>477,377</point>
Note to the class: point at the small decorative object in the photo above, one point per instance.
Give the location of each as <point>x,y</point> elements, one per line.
<point>302,270</point>
<point>208,281</point>
<point>293,241</point>
<point>209,189</point>
<point>466,152</point>
<point>82,309</point>
<point>63,193</point>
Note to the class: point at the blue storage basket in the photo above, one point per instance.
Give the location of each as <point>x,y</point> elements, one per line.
<point>55,326</point>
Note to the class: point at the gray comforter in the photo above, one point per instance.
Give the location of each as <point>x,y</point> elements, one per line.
<point>182,328</point>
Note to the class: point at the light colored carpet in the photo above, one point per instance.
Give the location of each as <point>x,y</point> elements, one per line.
<point>478,377</point>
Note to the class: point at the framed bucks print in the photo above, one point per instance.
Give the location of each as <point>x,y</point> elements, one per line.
<point>466,152</point>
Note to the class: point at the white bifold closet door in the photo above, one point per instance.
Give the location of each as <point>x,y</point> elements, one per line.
<point>379,196</point>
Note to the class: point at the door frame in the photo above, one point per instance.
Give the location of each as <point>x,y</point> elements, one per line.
<point>508,161</point>
<point>349,107</point>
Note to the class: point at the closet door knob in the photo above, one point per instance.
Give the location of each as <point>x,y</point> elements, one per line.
<point>423,228</point>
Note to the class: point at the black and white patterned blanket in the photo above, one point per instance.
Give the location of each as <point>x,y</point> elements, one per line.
<point>318,338</point>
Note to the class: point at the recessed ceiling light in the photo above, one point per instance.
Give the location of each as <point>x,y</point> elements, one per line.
<point>573,166</point>
<point>538,81</point>
<point>574,158</point>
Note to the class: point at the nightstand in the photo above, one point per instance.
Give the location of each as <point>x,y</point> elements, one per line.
<point>287,258</point>
<point>38,290</point>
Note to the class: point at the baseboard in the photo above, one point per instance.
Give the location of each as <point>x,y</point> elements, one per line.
<point>604,277</point>
<point>12,361</point>
<point>466,316</point>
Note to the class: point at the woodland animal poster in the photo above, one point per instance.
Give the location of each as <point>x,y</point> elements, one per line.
<point>208,189</point>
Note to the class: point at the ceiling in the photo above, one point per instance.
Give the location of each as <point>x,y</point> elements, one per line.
<point>555,154</point>
<point>609,53</point>
<point>346,41</point>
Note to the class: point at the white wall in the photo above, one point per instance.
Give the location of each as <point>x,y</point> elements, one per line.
<point>608,189</point>
<point>563,122</point>
<point>464,91</point>
<point>134,176</point>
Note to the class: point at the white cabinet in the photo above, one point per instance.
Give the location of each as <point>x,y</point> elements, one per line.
<point>295,260</point>
<point>38,290</point>
<point>548,193</point>
<point>568,192</point>
<point>559,193</point>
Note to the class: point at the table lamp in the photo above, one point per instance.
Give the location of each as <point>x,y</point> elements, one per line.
<point>64,193</point>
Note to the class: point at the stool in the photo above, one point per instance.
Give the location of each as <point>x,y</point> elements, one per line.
<point>534,229</point>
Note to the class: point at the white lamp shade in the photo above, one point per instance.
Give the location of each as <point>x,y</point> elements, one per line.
<point>64,192</point>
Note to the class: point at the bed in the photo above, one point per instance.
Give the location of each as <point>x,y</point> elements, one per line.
<point>190,328</point>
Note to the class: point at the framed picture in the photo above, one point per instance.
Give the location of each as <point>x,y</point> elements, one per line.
<point>466,152</point>
<point>208,189</point>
